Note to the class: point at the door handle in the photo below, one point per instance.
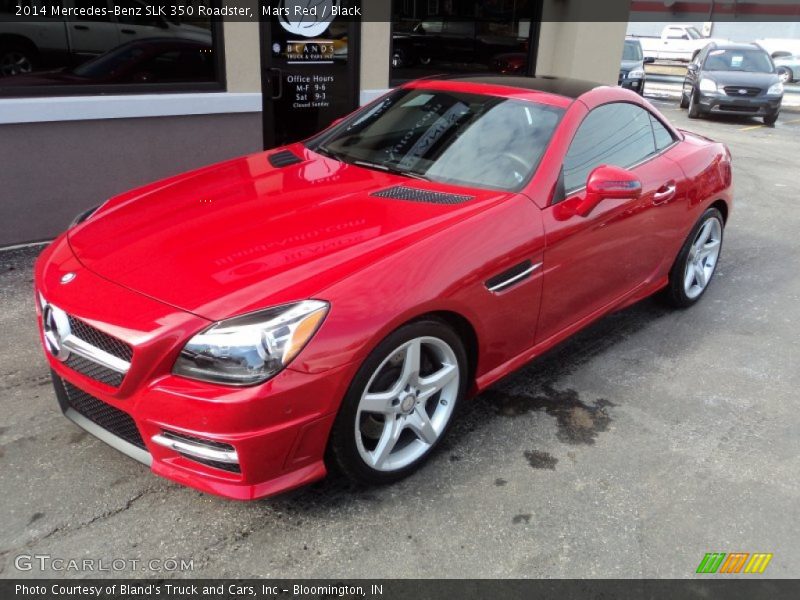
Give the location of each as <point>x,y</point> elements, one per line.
<point>81,27</point>
<point>665,193</point>
<point>128,31</point>
<point>277,89</point>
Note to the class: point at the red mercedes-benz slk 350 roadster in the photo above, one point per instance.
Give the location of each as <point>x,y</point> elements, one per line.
<point>332,303</point>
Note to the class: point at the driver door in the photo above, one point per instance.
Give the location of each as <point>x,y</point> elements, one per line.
<point>594,261</point>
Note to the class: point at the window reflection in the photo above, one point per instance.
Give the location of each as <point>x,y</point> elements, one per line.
<point>44,49</point>
<point>460,36</point>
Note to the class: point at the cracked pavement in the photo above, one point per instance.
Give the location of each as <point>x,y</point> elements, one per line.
<point>630,451</point>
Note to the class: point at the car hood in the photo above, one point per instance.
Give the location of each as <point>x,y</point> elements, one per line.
<point>742,78</point>
<point>629,65</point>
<point>244,235</point>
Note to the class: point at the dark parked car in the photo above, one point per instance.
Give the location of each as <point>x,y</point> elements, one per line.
<point>631,69</point>
<point>734,79</point>
<point>151,60</point>
<point>452,41</point>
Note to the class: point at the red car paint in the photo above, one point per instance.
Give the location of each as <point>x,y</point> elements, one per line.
<point>158,264</point>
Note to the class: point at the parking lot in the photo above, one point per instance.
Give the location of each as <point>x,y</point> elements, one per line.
<point>632,450</point>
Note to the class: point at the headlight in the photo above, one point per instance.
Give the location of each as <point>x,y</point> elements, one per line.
<point>252,348</point>
<point>636,74</point>
<point>706,85</point>
<point>775,89</point>
<point>83,216</point>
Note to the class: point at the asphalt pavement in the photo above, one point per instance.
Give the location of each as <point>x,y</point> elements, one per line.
<point>632,450</point>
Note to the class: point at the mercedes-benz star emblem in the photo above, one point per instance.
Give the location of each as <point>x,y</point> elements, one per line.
<point>67,277</point>
<point>56,330</point>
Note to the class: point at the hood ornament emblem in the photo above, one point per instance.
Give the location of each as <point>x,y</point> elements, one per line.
<point>67,277</point>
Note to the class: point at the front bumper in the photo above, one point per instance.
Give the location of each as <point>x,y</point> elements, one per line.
<point>240,443</point>
<point>637,85</point>
<point>757,106</point>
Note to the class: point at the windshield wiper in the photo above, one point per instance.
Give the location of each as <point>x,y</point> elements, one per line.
<point>325,151</point>
<point>388,169</point>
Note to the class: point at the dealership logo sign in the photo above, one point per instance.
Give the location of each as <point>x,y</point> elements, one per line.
<point>735,562</point>
<point>308,18</point>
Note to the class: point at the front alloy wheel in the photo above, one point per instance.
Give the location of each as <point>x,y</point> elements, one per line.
<point>400,403</point>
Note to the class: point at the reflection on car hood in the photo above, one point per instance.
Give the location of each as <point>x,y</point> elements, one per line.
<point>244,235</point>
<point>742,78</point>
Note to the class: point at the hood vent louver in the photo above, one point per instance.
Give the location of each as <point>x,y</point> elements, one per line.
<point>284,158</point>
<point>402,192</point>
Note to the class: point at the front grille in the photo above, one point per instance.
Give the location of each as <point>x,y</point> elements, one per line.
<point>737,108</point>
<point>93,370</point>
<point>100,339</point>
<point>110,418</point>
<point>402,192</point>
<point>735,90</point>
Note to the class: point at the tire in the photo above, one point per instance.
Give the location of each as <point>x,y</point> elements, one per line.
<point>16,59</point>
<point>685,288</point>
<point>771,119</point>
<point>380,435</point>
<point>425,60</point>
<point>785,74</point>
<point>694,108</point>
<point>684,100</point>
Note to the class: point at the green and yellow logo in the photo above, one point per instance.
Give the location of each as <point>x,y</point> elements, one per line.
<point>735,562</point>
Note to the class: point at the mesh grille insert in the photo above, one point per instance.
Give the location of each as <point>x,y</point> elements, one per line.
<point>93,370</point>
<point>106,416</point>
<point>99,339</point>
<point>402,192</point>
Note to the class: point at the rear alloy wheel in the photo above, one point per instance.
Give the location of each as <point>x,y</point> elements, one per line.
<point>398,59</point>
<point>697,261</point>
<point>400,404</point>
<point>785,74</point>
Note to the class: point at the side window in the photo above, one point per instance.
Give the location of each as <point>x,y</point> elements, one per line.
<point>662,135</point>
<point>618,134</point>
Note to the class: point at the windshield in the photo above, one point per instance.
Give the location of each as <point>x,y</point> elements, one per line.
<point>449,137</point>
<point>693,33</point>
<point>632,50</point>
<point>751,61</point>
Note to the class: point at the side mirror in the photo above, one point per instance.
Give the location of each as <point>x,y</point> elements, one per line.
<point>605,183</point>
<point>649,60</point>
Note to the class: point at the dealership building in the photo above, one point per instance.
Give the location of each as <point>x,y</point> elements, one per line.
<point>99,103</point>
